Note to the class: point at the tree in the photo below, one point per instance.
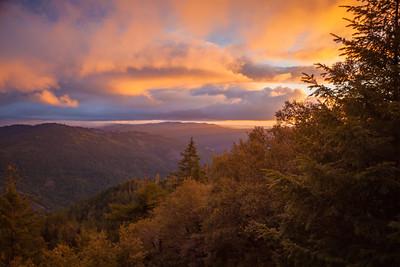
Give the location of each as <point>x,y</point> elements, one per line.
<point>19,225</point>
<point>61,256</point>
<point>343,202</point>
<point>99,251</point>
<point>263,149</point>
<point>239,213</point>
<point>146,198</point>
<point>131,251</point>
<point>173,235</point>
<point>189,165</point>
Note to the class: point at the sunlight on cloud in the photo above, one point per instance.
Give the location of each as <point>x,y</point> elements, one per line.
<point>140,85</point>
<point>128,48</point>
<point>24,77</point>
<point>47,97</point>
<point>299,31</point>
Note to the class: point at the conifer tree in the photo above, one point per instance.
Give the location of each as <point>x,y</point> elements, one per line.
<point>189,165</point>
<point>343,204</point>
<point>19,225</point>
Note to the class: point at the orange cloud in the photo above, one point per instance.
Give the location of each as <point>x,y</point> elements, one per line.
<point>183,79</point>
<point>298,30</point>
<point>115,42</point>
<point>24,76</point>
<point>176,62</point>
<point>172,52</point>
<point>49,98</point>
<point>134,46</point>
<point>202,17</point>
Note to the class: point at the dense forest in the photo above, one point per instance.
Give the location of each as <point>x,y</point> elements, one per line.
<point>321,188</point>
<point>73,163</point>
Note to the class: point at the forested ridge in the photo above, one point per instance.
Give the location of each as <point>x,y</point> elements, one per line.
<point>321,188</point>
<point>60,164</point>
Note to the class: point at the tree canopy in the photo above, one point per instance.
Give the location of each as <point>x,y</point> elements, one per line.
<point>321,188</point>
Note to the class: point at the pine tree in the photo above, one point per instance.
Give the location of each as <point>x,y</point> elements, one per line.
<point>189,165</point>
<point>343,204</point>
<point>19,225</point>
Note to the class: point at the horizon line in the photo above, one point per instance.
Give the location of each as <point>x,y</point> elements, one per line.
<point>237,124</point>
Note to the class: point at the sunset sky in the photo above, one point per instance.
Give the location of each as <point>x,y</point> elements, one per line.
<point>215,60</point>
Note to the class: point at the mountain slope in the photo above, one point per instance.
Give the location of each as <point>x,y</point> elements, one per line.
<point>210,138</point>
<point>60,164</point>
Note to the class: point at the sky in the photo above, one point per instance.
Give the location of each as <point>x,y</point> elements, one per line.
<point>188,60</point>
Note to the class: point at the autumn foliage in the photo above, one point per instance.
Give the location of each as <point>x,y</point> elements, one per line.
<point>321,188</point>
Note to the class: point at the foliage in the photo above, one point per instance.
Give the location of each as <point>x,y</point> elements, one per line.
<point>61,256</point>
<point>171,236</point>
<point>249,159</point>
<point>131,249</point>
<point>20,238</point>
<point>341,208</point>
<point>236,210</point>
<point>76,163</point>
<point>321,188</point>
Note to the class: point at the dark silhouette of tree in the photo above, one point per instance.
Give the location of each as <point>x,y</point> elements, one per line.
<point>343,205</point>
<point>20,238</point>
<point>189,165</point>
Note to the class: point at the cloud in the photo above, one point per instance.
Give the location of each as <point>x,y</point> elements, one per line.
<point>24,77</point>
<point>171,64</point>
<point>298,31</point>
<point>148,56</point>
<point>211,102</point>
<point>48,97</point>
<point>244,104</point>
<point>269,73</point>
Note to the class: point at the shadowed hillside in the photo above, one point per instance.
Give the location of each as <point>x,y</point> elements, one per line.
<point>211,139</point>
<point>60,164</point>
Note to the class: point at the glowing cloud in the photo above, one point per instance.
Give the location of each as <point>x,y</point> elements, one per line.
<point>70,54</point>
<point>49,98</point>
<point>24,77</point>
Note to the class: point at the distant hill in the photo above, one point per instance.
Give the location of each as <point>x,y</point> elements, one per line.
<point>60,164</point>
<point>210,138</point>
